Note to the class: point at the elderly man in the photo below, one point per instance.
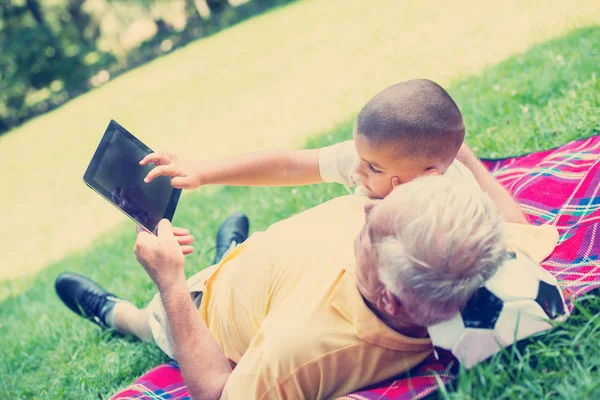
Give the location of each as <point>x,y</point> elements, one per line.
<point>320,304</point>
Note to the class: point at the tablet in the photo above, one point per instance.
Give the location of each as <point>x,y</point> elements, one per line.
<point>115,173</point>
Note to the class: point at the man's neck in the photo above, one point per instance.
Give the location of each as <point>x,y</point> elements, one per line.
<point>400,324</point>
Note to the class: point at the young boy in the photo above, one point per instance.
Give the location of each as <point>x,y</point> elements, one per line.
<point>410,129</point>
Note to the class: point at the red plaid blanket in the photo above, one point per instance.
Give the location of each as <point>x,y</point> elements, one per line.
<point>557,187</point>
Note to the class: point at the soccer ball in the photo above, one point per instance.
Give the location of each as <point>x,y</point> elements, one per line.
<point>519,300</point>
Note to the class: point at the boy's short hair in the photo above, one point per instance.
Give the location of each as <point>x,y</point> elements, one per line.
<point>417,114</point>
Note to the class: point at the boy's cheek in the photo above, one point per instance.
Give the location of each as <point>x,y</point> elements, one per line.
<point>389,186</point>
<point>380,194</point>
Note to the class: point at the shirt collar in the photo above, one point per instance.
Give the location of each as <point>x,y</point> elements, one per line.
<point>347,300</point>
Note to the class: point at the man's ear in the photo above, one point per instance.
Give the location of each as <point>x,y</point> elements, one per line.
<point>389,303</point>
<point>368,207</point>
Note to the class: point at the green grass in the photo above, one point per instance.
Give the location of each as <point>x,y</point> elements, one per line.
<point>272,81</point>
<point>47,352</point>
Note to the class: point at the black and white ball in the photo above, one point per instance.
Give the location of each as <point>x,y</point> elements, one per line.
<point>518,301</point>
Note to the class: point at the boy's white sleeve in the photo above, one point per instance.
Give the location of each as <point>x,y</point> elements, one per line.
<point>336,163</point>
<point>457,170</point>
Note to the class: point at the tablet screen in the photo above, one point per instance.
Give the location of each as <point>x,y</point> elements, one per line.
<point>115,173</point>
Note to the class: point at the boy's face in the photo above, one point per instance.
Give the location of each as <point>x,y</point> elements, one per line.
<point>377,167</point>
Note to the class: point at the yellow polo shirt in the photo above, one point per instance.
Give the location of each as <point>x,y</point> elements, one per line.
<point>285,307</point>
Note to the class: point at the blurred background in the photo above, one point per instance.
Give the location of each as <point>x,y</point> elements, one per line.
<point>206,78</point>
<point>55,50</point>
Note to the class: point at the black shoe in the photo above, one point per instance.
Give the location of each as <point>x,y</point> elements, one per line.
<point>233,231</point>
<point>85,297</point>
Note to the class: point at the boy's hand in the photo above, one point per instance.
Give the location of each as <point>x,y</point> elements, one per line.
<point>184,174</point>
<point>162,255</point>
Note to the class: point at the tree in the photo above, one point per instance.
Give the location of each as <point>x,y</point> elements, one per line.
<point>32,57</point>
<point>38,15</point>
<point>191,12</point>
<point>86,26</point>
<point>217,7</point>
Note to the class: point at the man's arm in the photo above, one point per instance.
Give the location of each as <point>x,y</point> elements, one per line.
<point>204,367</point>
<point>263,168</point>
<point>505,202</point>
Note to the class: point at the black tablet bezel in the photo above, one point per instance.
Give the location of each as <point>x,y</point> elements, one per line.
<point>88,176</point>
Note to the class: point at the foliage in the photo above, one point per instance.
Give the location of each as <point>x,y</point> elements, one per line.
<point>49,49</point>
<point>37,55</point>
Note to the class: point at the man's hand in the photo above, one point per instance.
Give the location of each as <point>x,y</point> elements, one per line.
<point>203,364</point>
<point>184,174</point>
<point>162,255</point>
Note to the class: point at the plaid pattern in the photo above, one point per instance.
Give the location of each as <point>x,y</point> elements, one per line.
<point>559,187</point>
<point>163,382</point>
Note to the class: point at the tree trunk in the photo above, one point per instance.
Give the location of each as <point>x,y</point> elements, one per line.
<point>38,15</point>
<point>87,28</point>
<point>191,12</point>
<point>216,7</point>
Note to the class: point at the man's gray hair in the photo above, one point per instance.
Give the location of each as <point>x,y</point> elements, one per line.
<point>447,242</point>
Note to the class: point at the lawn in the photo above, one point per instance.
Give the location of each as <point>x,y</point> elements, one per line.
<point>544,97</point>
<point>272,81</point>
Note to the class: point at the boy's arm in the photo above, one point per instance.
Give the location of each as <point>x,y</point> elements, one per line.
<point>505,202</point>
<point>263,168</point>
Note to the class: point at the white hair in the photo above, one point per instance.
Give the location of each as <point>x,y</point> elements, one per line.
<point>446,242</point>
